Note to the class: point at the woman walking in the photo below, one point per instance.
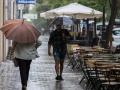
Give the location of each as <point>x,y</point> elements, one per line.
<point>24,54</point>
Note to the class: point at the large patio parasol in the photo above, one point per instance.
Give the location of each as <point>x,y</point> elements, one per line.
<point>75,10</point>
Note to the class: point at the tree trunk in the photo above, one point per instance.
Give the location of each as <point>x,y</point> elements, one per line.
<point>109,28</point>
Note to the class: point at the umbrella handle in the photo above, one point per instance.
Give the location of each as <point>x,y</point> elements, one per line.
<point>23,21</point>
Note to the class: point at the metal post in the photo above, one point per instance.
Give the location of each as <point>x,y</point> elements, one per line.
<point>103,28</point>
<point>20,8</point>
<point>21,13</point>
<point>94,27</point>
<point>88,39</point>
<point>13,10</point>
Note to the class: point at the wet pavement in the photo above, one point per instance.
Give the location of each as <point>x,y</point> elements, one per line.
<point>42,74</point>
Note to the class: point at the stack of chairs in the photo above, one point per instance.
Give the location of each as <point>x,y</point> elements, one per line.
<point>100,74</point>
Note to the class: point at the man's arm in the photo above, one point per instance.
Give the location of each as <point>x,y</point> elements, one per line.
<point>50,44</point>
<point>49,49</point>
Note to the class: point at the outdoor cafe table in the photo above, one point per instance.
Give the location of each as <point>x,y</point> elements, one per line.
<point>95,62</point>
<point>87,49</point>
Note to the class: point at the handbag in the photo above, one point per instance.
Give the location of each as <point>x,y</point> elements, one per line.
<point>15,62</point>
<point>10,56</point>
<point>10,53</point>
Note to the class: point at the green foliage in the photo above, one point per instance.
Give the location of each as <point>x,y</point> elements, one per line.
<point>39,1</point>
<point>92,3</point>
<point>41,8</point>
<point>50,4</point>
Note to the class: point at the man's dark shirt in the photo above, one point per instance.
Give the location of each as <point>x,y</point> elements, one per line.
<point>58,39</point>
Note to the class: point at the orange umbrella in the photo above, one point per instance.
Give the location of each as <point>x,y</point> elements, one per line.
<point>8,26</point>
<point>13,21</point>
<point>20,31</point>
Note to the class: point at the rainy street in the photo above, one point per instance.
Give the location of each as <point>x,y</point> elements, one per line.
<point>86,33</point>
<point>42,74</point>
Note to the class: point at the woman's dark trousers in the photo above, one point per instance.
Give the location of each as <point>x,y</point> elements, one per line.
<point>24,67</point>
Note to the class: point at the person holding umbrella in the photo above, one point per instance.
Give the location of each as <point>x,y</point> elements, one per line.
<point>58,39</point>
<point>25,43</point>
<point>24,54</point>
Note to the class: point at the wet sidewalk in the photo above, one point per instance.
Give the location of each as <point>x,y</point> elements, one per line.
<point>42,74</point>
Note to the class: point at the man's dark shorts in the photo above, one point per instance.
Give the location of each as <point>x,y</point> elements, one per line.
<point>58,54</point>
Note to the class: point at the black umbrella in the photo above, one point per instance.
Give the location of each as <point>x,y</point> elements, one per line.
<point>67,21</point>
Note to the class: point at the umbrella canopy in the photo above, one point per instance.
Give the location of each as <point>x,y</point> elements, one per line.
<point>65,20</point>
<point>13,21</point>
<point>20,31</point>
<point>75,10</point>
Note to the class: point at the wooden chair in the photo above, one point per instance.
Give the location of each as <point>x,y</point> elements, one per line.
<point>107,81</point>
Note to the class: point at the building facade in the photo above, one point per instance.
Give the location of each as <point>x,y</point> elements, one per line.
<point>1,34</point>
<point>7,11</point>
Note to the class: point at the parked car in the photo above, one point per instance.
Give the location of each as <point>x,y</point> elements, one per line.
<point>99,27</point>
<point>116,40</point>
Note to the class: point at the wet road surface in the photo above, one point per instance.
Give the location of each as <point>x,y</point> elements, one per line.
<point>42,74</point>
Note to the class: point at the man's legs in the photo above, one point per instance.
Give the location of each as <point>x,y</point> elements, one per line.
<point>62,58</point>
<point>57,69</point>
<point>61,66</point>
<point>59,61</point>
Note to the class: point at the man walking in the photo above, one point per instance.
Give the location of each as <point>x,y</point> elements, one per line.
<point>58,40</point>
